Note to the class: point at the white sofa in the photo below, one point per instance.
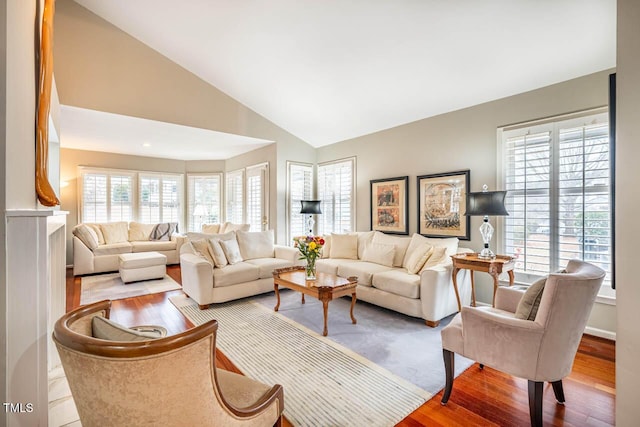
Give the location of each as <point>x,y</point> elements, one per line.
<point>96,247</point>
<point>223,267</point>
<point>397,273</point>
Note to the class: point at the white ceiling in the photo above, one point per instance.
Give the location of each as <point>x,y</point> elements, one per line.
<point>99,131</point>
<point>331,70</point>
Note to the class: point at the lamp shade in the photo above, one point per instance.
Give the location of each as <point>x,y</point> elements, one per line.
<point>310,207</point>
<point>486,203</point>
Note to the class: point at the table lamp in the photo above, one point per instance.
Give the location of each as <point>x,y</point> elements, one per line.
<point>311,207</point>
<point>486,203</point>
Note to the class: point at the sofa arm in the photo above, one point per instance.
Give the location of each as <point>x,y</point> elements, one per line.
<point>437,295</point>
<point>82,258</point>
<point>197,278</point>
<point>288,253</point>
<point>179,239</point>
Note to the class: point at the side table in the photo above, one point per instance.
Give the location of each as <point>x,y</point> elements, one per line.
<point>494,266</point>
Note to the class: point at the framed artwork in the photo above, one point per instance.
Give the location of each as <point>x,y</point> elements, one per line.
<point>442,203</point>
<point>390,204</point>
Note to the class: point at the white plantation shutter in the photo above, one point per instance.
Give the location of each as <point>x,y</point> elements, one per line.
<point>300,187</point>
<point>204,200</point>
<point>257,196</point>
<point>149,205</point>
<point>106,196</point>
<point>234,196</point>
<point>160,198</point>
<point>557,177</point>
<point>336,192</point>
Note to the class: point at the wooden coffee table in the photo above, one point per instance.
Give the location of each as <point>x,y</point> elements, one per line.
<point>325,287</point>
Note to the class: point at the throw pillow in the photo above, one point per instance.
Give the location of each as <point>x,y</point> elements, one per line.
<point>163,231</point>
<point>255,244</point>
<point>98,230</point>
<point>401,244</point>
<point>201,246</point>
<point>364,238</point>
<point>414,243</point>
<point>418,258</point>
<point>438,256</point>
<point>228,226</point>
<point>86,235</point>
<point>530,301</point>
<point>380,254</point>
<point>216,252</point>
<point>344,246</point>
<point>115,232</point>
<point>139,232</point>
<point>326,248</point>
<point>231,251</point>
<point>211,228</point>
<point>106,329</point>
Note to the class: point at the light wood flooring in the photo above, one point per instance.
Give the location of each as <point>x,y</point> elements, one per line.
<point>480,397</point>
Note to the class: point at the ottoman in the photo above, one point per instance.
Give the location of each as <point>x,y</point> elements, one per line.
<point>142,266</point>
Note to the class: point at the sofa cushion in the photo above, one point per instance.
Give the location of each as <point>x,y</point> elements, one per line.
<point>201,247</point>
<point>229,226</point>
<point>211,228</point>
<point>418,257</point>
<point>438,256</point>
<point>450,243</point>
<point>255,244</point>
<point>105,329</point>
<point>153,245</point>
<point>380,254</point>
<point>115,232</point>
<point>87,235</point>
<point>113,249</point>
<point>98,230</point>
<point>364,238</point>
<point>401,244</point>
<point>231,251</point>
<point>139,232</point>
<point>344,246</point>
<point>235,273</point>
<point>362,269</point>
<point>329,265</point>
<point>414,243</point>
<point>267,265</point>
<point>326,248</point>
<point>398,282</point>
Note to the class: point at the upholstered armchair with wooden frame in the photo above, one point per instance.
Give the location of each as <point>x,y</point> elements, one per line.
<point>164,381</point>
<point>542,349</point>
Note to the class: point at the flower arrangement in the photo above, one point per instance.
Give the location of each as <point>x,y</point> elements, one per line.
<point>310,248</point>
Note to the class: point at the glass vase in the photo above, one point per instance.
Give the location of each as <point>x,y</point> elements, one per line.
<point>310,269</point>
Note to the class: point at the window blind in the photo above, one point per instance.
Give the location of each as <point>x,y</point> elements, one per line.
<point>234,196</point>
<point>336,191</point>
<point>300,187</point>
<point>204,200</point>
<point>106,196</point>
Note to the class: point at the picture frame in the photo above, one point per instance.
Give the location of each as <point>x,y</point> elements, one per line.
<point>442,203</point>
<point>390,205</point>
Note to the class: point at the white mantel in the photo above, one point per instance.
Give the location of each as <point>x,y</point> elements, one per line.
<point>36,295</point>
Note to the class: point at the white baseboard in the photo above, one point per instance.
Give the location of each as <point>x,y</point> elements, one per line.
<point>600,333</point>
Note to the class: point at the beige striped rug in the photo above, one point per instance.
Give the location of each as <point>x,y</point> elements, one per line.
<point>325,384</point>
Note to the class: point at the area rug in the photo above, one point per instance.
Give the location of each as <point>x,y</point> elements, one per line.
<point>110,286</point>
<point>325,382</point>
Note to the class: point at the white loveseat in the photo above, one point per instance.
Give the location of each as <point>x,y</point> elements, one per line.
<point>410,275</point>
<point>223,267</point>
<point>96,247</point>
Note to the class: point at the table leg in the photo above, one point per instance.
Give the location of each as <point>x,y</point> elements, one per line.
<point>511,277</point>
<point>473,289</point>
<point>325,309</point>
<point>495,287</point>
<point>353,304</point>
<point>454,278</point>
<point>275,288</point>
<point>303,298</point>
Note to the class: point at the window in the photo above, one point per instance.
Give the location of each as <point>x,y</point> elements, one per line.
<point>107,196</point>
<point>159,198</point>
<point>299,187</point>
<point>557,177</point>
<point>336,191</point>
<point>234,197</point>
<point>204,200</point>
<point>257,206</point>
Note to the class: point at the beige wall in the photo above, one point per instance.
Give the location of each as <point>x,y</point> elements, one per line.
<point>627,207</point>
<point>464,139</point>
<point>4,106</point>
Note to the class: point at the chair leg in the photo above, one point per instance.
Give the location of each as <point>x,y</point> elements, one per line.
<point>481,366</point>
<point>558,391</point>
<point>449,366</point>
<point>535,403</point>
<point>279,422</point>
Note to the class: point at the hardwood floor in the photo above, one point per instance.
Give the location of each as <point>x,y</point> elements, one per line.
<point>480,397</point>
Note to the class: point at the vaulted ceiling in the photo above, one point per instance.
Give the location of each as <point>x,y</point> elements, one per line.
<point>332,70</point>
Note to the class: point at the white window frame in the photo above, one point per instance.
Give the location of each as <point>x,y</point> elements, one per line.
<point>552,125</point>
<point>260,170</point>
<point>326,207</point>
<point>293,204</point>
<point>192,204</point>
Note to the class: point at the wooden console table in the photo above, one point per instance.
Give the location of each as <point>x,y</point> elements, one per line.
<point>494,266</point>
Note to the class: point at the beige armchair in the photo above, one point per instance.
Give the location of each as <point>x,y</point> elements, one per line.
<point>539,350</point>
<point>165,381</point>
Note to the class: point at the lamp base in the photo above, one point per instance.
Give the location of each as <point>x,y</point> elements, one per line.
<point>486,253</point>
